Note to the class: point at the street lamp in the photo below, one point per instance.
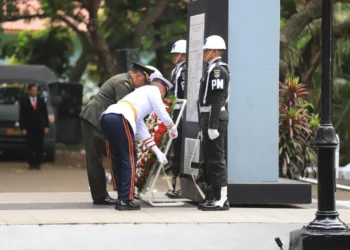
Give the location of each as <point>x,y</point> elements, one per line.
<point>326,231</point>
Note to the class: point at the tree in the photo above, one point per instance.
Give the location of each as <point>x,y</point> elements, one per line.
<point>109,25</point>
<point>51,47</point>
<point>300,37</point>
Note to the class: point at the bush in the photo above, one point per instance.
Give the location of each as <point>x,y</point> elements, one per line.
<point>297,127</point>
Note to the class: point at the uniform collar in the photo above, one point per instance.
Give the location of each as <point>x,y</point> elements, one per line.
<point>214,60</point>
<point>178,65</point>
<point>132,87</point>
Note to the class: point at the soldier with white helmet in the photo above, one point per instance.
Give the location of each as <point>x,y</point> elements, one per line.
<point>214,94</point>
<point>178,52</point>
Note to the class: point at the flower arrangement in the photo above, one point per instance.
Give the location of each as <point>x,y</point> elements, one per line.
<point>146,157</point>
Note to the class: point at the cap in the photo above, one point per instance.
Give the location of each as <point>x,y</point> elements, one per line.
<point>155,69</point>
<point>162,80</point>
<point>146,71</point>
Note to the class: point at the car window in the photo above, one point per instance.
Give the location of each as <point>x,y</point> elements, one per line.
<point>11,93</point>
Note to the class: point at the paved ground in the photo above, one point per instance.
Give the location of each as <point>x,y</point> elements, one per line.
<point>151,237</point>
<point>51,209</point>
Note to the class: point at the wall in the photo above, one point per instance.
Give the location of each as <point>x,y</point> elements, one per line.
<point>254,61</point>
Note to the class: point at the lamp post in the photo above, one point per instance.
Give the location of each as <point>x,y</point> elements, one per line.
<point>326,231</point>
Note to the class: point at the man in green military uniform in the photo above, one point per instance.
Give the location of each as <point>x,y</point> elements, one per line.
<point>214,93</point>
<point>113,90</point>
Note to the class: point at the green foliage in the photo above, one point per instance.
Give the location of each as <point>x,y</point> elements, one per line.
<point>51,47</point>
<point>297,126</point>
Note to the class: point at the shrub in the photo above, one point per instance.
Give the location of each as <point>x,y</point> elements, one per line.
<point>297,127</point>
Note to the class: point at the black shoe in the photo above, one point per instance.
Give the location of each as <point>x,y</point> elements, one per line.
<point>212,206</point>
<point>106,201</point>
<point>200,205</point>
<point>174,194</point>
<point>126,205</point>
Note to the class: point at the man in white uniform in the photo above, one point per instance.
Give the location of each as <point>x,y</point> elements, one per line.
<point>121,121</point>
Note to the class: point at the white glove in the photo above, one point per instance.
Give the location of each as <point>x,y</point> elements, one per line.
<point>173,132</point>
<point>213,134</point>
<point>160,156</point>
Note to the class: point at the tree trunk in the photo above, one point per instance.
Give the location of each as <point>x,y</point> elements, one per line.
<point>159,50</point>
<point>312,52</point>
<point>311,59</point>
<point>297,23</point>
<point>79,68</point>
<point>100,45</point>
<point>150,17</point>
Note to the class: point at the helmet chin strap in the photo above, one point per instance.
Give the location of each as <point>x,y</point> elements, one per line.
<point>178,58</point>
<point>208,55</point>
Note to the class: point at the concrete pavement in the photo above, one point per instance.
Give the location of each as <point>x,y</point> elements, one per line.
<point>56,220</point>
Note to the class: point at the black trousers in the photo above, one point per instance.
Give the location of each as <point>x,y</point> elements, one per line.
<point>35,144</point>
<point>122,151</point>
<point>176,166</point>
<point>95,151</point>
<point>214,151</point>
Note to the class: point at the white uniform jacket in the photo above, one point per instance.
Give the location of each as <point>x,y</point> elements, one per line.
<point>137,105</point>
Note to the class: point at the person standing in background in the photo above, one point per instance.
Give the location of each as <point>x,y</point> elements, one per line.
<point>178,52</point>
<point>214,94</point>
<point>34,124</point>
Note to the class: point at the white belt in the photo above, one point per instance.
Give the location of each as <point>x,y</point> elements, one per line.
<point>178,106</point>
<point>208,109</point>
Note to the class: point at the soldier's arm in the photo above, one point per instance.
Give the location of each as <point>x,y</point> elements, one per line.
<point>158,106</point>
<point>144,134</point>
<point>217,85</point>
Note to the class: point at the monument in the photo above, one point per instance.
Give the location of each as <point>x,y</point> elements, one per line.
<point>251,31</point>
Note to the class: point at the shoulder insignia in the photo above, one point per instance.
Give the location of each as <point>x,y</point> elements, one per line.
<point>127,84</point>
<point>216,73</point>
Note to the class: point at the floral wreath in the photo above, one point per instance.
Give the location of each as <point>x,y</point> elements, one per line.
<point>146,157</point>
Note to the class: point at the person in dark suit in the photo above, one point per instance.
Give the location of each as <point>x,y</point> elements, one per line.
<point>34,123</point>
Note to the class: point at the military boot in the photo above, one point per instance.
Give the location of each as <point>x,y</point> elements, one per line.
<point>209,197</point>
<point>173,194</point>
<point>220,201</point>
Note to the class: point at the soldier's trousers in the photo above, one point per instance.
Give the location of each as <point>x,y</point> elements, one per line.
<point>123,154</point>
<point>175,168</point>
<point>95,151</point>
<point>214,151</point>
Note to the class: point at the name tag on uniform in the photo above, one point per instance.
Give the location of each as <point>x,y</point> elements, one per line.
<point>217,84</point>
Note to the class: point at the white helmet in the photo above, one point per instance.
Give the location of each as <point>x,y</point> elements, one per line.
<point>156,71</point>
<point>179,47</point>
<point>214,42</point>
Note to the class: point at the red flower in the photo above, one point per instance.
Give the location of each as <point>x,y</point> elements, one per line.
<point>154,116</point>
<point>157,142</point>
<point>151,160</point>
<point>139,165</point>
<point>168,101</point>
<point>167,109</point>
<point>162,128</point>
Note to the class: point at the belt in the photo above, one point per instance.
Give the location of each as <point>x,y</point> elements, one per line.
<point>207,109</point>
<point>131,106</point>
<point>178,106</point>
